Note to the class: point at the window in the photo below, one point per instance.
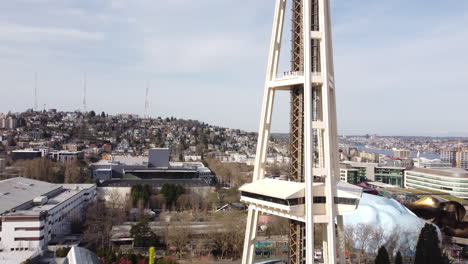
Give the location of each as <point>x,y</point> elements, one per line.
<point>265,198</point>
<point>298,201</point>
<point>29,228</point>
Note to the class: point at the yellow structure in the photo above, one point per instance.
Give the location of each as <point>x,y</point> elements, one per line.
<point>151,255</point>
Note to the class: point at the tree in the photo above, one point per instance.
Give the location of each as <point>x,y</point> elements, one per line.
<point>142,234</point>
<point>378,238</point>
<point>183,202</point>
<point>279,226</point>
<point>171,192</point>
<point>140,192</point>
<point>178,236</point>
<point>73,173</point>
<point>231,238</point>
<point>42,169</point>
<point>103,115</point>
<point>392,241</point>
<point>62,252</point>
<point>427,249</point>
<point>382,256</point>
<point>98,225</point>
<point>92,113</point>
<point>349,240</point>
<point>195,201</point>
<point>398,258</point>
<point>158,202</point>
<point>363,237</point>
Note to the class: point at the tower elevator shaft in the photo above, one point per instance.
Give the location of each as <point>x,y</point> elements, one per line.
<point>297,228</point>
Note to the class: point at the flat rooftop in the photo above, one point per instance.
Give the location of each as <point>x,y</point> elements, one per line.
<point>143,161</point>
<point>21,191</point>
<point>69,190</point>
<point>16,256</point>
<point>17,191</point>
<point>449,172</point>
<point>25,150</point>
<point>196,182</point>
<point>391,167</point>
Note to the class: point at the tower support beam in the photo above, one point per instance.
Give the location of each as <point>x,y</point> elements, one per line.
<point>308,137</point>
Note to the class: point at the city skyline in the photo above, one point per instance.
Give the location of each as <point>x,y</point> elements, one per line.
<point>389,74</point>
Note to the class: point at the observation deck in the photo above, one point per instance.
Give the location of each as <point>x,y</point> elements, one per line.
<point>287,199</point>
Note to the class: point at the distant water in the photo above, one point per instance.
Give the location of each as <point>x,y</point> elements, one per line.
<point>390,153</point>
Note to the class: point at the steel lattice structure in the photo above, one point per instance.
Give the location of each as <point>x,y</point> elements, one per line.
<point>312,196</point>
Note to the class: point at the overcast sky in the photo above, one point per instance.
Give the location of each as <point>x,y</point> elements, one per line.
<point>401,66</point>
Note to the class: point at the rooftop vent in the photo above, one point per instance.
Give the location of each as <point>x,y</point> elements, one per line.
<point>4,193</point>
<point>41,200</point>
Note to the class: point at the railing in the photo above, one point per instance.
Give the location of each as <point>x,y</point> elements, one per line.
<point>289,75</point>
<point>295,74</point>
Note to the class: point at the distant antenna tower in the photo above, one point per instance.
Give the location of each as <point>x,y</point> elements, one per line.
<point>147,102</point>
<point>35,91</point>
<point>84,92</point>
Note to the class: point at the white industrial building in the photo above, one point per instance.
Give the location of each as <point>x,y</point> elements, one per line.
<point>33,212</point>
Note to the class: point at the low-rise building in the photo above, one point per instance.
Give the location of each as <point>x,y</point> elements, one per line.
<point>431,163</point>
<point>453,180</point>
<point>33,212</point>
<point>155,166</point>
<point>390,175</point>
<point>365,169</point>
<point>25,154</point>
<point>59,156</point>
<point>350,175</point>
<point>66,156</point>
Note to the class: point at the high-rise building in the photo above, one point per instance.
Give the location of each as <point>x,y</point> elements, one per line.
<point>401,153</point>
<point>463,160</point>
<point>8,123</point>
<point>449,155</point>
<point>314,194</point>
<point>458,157</point>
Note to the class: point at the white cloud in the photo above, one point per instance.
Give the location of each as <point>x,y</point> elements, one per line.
<point>16,32</point>
<point>199,53</point>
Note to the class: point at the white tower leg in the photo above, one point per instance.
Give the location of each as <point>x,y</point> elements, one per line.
<point>265,126</point>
